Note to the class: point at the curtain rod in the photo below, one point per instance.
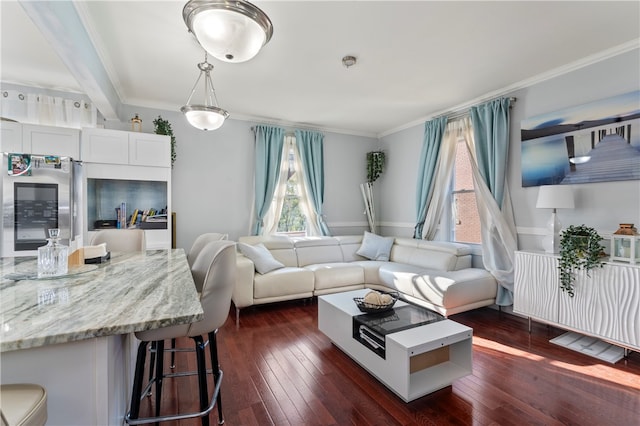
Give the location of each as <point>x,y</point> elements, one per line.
<point>286,132</point>
<point>454,115</point>
<point>289,128</point>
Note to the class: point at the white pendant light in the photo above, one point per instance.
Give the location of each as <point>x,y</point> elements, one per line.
<point>208,116</point>
<point>231,31</point>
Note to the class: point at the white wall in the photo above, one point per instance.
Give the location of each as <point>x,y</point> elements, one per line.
<point>213,176</point>
<point>602,205</point>
<point>398,182</point>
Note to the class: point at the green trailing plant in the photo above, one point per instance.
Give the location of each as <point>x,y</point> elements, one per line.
<point>580,248</point>
<point>375,165</point>
<point>163,127</point>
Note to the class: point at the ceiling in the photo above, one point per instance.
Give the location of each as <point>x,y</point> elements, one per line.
<point>415,58</point>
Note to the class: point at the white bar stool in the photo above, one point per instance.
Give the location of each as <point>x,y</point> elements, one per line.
<point>23,404</point>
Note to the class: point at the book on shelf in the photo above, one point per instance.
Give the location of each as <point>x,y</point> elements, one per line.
<point>134,217</point>
<point>157,218</point>
<point>121,216</point>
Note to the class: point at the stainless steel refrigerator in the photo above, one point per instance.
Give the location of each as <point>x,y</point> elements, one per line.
<point>37,194</point>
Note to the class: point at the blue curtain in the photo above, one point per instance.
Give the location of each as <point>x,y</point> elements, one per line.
<point>499,240</point>
<point>311,154</point>
<point>269,145</point>
<point>491,133</point>
<point>432,140</point>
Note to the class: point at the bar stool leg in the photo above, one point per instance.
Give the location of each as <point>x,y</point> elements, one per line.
<point>159,373</point>
<point>137,381</point>
<point>173,354</point>
<point>215,366</point>
<point>152,360</point>
<point>202,377</point>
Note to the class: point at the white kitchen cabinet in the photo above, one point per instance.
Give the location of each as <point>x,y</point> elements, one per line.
<point>43,140</point>
<point>606,303</point>
<point>61,141</point>
<point>148,149</point>
<point>105,146</point>
<point>10,136</point>
<point>127,148</point>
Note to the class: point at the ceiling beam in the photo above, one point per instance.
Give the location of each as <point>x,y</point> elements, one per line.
<point>61,25</point>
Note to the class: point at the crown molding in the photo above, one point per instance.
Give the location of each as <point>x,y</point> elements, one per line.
<point>556,72</point>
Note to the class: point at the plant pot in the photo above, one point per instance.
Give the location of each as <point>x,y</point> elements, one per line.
<point>580,248</point>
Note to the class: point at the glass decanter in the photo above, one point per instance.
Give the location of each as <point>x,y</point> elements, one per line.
<point>53,257</point>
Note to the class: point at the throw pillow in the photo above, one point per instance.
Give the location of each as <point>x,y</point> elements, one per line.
<point>375,247</point>
<point>261,257</point>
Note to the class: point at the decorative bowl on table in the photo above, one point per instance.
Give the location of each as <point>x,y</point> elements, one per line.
<point>376,302</point>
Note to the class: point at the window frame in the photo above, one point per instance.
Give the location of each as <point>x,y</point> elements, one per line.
<point>450,210</point>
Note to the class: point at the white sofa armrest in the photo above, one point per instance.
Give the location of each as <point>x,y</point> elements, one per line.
<point>243,290</point>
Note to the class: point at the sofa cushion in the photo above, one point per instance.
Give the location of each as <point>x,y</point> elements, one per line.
<point>371,270</point>
<point>282,282</point>
<point>375,247</point>
<point>332,275</point>
<point>261,257</point>
<point>349,244</point>
<point>312,250</point>
<point>280,246</point>
<point>455,288</point>
<point>399,276</point>
<point>440,255</point>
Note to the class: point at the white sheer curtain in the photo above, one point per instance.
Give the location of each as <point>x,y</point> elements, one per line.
<point>272,217</point>
<point>442,179</point>
<point>270,221</point>
<point>498,229</point>
<point>35,108</point>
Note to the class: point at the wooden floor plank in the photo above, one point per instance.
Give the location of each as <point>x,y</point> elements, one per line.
<point>279,369</point>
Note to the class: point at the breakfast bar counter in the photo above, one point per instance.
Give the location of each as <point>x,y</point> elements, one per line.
<point>73,334</point>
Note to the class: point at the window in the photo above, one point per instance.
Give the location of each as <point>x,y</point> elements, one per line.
<point>292,220</point>
<point>466,221</point>
<point>289,212</point>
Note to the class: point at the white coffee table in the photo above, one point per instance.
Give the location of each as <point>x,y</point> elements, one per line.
<point>417,361</point>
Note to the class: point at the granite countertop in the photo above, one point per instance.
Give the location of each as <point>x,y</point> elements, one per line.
<point>131,292</point>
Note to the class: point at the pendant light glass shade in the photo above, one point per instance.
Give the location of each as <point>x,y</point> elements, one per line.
<point>231,31</point>
<point>203,117</point>
<point>208,116</point>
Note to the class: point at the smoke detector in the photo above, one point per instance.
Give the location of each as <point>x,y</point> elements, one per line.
<point>349,61</point>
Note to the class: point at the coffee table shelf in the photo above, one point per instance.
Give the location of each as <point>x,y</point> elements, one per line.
<point>418,360</point>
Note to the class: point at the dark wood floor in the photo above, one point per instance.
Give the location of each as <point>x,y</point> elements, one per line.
<point>280,370</point>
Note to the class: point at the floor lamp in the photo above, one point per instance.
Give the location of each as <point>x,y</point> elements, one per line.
<point>554,197</point>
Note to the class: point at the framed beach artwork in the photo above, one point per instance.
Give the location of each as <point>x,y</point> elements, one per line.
<point>594,142</point>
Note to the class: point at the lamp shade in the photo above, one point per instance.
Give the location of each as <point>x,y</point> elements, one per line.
<point>555,197</point>
<point>204,117</point>
<point>231,31</point>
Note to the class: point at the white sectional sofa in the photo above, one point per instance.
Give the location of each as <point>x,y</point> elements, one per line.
<point>437,275</point>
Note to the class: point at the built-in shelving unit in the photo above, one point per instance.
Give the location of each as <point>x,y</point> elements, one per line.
<point>131,168</point>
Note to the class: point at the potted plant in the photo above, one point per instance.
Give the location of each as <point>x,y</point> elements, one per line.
<point>375,166</point>
<point>580,248</point>
<point>163,127</point>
